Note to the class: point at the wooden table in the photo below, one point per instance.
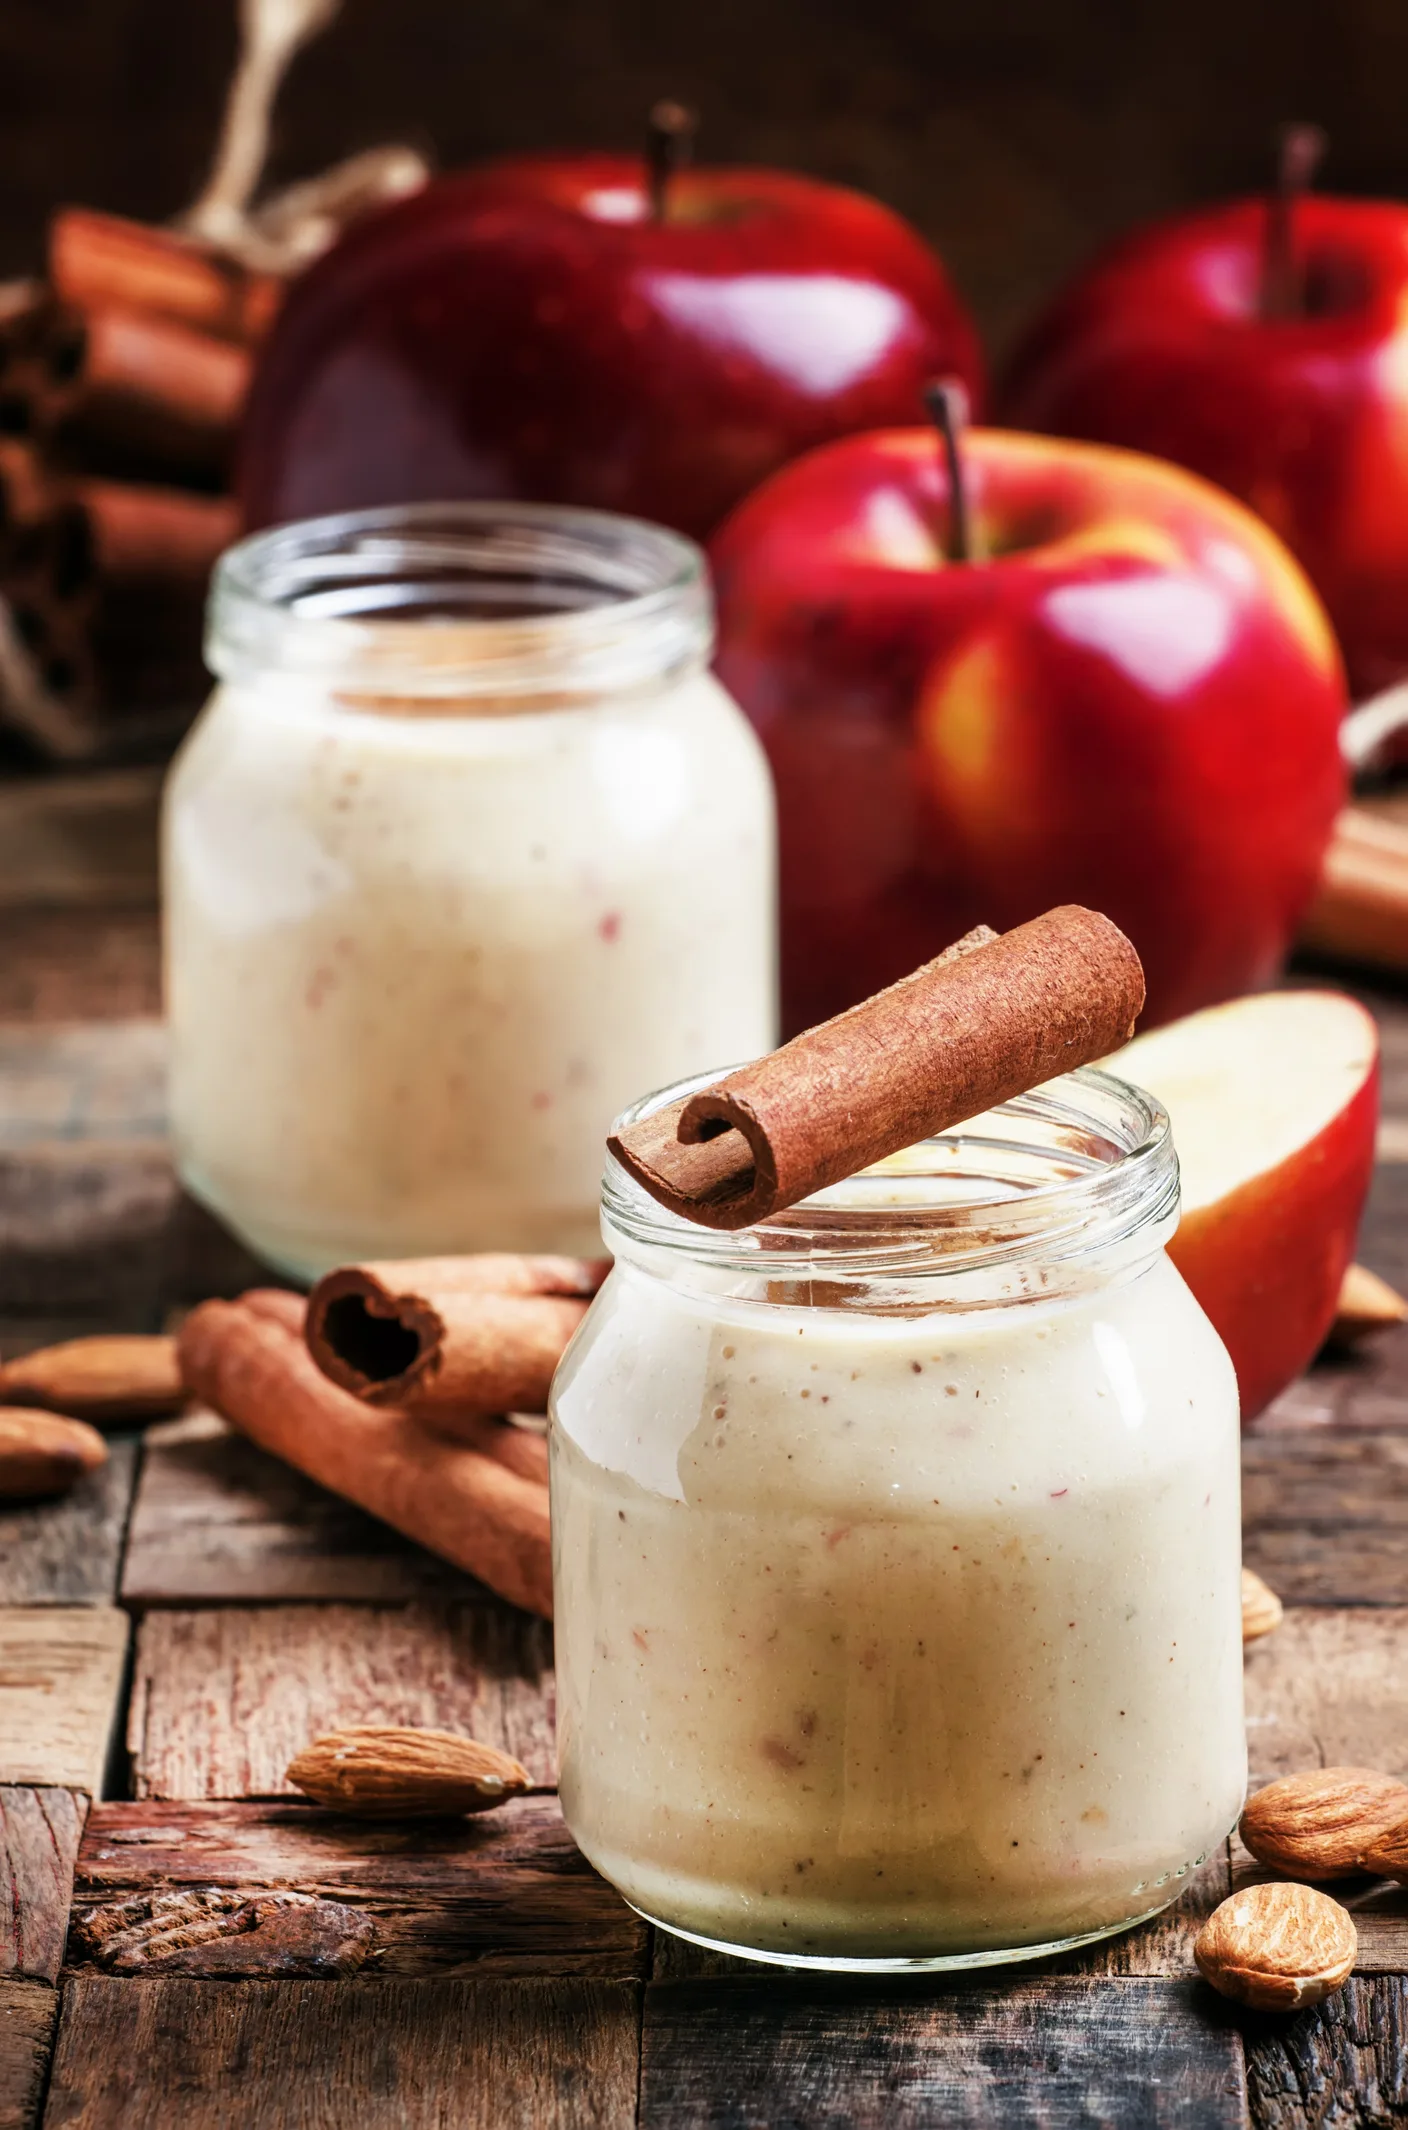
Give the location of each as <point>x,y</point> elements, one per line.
<point>183,1943</point>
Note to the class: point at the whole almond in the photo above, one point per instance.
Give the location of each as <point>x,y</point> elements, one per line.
<point>1367,1305</point>
<point>383,1772</point>
<point>122,1376</point>
<point>1387,1857</point>
<point>1324,1823</point>
<point>43,1453</point>
<point>1277,1947</point>
<point>1261,1608</point>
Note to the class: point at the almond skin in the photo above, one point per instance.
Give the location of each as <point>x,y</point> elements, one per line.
<point>44,1453</point>
<point>122,1376</point>
<point>1277,1947</point>
<point>383,1772</point>
<point>1367,1305</point>
<point>1387,1858</point>
<point>1261,1608</point>
<point>1324,1823</point>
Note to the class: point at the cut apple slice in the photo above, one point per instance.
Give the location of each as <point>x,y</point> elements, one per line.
<point>1274,1101</point>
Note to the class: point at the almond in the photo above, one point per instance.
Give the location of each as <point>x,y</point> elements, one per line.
<point>43,1453</point>
<point>1277,1947</point>
<point>1261,1608</point>
<point>122,1376</point>
<point>1387,1857</point>
<point>1367,1305</point>
<point>381,1772</point>
<point>1322,1824</point>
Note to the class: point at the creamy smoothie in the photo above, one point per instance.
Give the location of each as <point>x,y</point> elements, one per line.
<point>415,963</point>
<point>898,1635</point>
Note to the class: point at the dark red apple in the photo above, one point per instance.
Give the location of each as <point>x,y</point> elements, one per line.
<point>1133,704</point>
<point>558,329</point>
<point>1276,365</point>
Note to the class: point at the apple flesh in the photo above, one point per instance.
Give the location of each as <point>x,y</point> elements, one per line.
<point>1274,1102</point>
<point>1162,345</point>
<point>1133,704</point>
<point>531,330</point>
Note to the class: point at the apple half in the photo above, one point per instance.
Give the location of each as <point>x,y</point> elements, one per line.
<point>1274,1101</point>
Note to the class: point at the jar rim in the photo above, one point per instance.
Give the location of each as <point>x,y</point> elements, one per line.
<point>1075,1166</point>
<point>440,603</point>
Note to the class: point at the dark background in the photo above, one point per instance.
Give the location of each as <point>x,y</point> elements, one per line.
<point>1016,133</point>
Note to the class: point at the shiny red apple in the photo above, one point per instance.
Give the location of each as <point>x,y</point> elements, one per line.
<point>1276,365</point>
<point>577,329</point>
<point>1274,1103</point>
<point>1133,703</point>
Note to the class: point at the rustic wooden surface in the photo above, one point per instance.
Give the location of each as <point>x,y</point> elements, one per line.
<point>182,1941</point>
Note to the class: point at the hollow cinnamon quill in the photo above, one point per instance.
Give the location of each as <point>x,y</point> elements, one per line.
<point>482,1333</point>
<point>967,1031</point>
<point>247,1360</point>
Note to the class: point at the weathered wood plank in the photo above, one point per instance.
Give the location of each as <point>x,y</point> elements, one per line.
<point>380,2055</point>
<point>1343,2065</point>
<point>217,1519</point>
<point>503,1892</point>
<point>39,1833</point>
<point>60,1677</point>
<point>27,2012</point>
<point>80,841</point>
<point>222,1700</point>
<point>1325,1514</point>
<point>67,1552</point>
<point>1053,2053</point>
<point>1327,1687</point>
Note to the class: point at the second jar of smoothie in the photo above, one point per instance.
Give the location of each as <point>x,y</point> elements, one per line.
<point>467,847</point>
<point>897,1552</point>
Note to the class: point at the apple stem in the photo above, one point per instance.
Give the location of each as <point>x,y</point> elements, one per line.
<point>1299,149</point>
<point>669,144</point>
<point>947,401</point>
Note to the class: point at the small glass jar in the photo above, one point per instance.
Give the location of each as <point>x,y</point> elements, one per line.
<point>897,1553</point>
<point>467,847</point>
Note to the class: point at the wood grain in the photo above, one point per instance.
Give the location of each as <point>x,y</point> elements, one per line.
<point>60,1676</point>
<point>378,2055</point>
<point>39,1833</point>
<point>27,2012</point>
<point>1142,2054</point>
<point>216,1519</point>
<point>1343,2065</point>
<point>222,1700</point>
<point>1325,1514</point>
<point>67,1552</point>
<point>505,1892</point>
<point>1326,1688</point>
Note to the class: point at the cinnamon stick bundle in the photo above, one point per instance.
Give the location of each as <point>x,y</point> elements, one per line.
<point>97,260</point>
<point>973,1028</point>
<point>248,1360</point>
<point>479,1333</point>
<point>123,391</point>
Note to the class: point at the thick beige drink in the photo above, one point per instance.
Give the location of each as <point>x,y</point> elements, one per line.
<point>441,898</point>
<point>886,1636</point>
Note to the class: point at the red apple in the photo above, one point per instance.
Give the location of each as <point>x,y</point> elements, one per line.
<point>1180,342</point>
<point>535,330</point>
<point>1274,1103</point>
<point>1134,704</point>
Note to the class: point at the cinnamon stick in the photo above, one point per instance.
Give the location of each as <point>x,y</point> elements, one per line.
<point>124,391</point>
<point>100,259</point>
<point>480,1333</point>
<point>127,534</point>
<point>247,1360</point>
<point>1360,911</point>
<point>962,1034</point>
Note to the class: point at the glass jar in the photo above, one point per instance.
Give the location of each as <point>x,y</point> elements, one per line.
<point>897,1553</point>
<point>467,848</point>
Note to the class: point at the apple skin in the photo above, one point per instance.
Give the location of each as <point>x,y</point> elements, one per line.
<point>1159,347</point>
<point>1134,705</point>
<point>1266,1260</point>
<point>527,331</point>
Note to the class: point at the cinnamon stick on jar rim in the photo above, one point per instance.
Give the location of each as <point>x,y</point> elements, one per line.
<point>983,1023</point>
<point>481,1333</point>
